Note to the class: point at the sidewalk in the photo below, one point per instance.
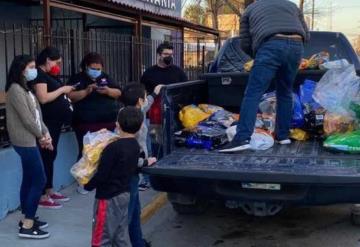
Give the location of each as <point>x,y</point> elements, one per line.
<point>69,226</point>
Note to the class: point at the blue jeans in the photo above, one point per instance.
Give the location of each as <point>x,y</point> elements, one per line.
<point>135,232</point>
<point>276,59</point>
<point>33,180</point>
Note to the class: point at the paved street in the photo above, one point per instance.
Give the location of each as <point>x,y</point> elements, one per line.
<point>305,227</point>
<point>69,226</point>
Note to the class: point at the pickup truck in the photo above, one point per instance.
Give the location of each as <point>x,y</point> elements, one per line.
<point>260,182</point>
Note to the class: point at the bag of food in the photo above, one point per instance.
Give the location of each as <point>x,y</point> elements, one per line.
<point>304,64</point>
<point>317,59</point>
<point>349,142</point>
<point>306,96</point>
<point>210,109</point>
<point>337,64</point>
<point>299,135</point>
<point>336,89</point>
<point>314,122</point>
<point>261,140</point>
<point>94,144</point>
<point>191,115</point>
<point>248,66</point>
<point>337,123</point>
<point>298,113</point>
<point>224,118</point>
<point>267,107</point>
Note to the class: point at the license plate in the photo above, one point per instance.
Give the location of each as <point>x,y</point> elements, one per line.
<point>261,186</point>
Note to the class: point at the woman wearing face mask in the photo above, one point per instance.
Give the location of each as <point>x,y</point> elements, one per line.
<point>95,99</point>
<point>26,127</point>
<point>57,111</point>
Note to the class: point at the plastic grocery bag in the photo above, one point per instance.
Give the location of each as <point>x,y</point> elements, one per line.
<point>337,123</point>
<point>317,59</point>
<point>267,107</point>
<point>260,139</point>
<point>306,96</point>
<point>298,113</point>
<point>349,142</point>
<point>336,89</point>
<point>304,64</point>
<point>337,64</point>
<point>248,66</point>
<point>191,115</point>
<point>210,109</point>
<point>224,118</point>
<point>299,135</point>
<point>94,144</point>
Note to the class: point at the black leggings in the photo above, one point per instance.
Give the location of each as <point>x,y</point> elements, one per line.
<point>48,156</point>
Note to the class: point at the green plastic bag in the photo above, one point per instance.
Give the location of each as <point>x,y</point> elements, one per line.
<point>349,142</point>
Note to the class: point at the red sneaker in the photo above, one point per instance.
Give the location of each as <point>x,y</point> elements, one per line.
<point>50,204</point>
<point>58,197</point>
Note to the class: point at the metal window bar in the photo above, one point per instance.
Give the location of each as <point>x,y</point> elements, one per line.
<point>120,53</point>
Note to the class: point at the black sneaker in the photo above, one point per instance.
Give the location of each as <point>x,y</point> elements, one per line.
<point>37,223</point>
<point>235,146</point>
<point>146,243</point>
<point>34,233</point>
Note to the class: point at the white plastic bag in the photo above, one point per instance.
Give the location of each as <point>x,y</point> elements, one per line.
<point>94,144</point>
<point>336,89</point>
<point>260,139</point>
<point>337,64</point>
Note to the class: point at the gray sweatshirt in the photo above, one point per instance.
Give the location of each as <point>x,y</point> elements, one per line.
<point>266,18</point>
<point>23,117</point>
<point>142,135</point>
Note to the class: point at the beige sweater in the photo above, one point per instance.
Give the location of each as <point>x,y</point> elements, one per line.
<point>21,117</point>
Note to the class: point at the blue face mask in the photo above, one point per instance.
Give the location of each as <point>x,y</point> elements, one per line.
<point>30,74</point>
<point>93,73</point>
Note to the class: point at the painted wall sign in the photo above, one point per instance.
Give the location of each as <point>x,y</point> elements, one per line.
<point>165,7</point>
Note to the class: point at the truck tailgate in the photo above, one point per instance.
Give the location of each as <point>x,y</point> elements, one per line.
<point>300,162</point>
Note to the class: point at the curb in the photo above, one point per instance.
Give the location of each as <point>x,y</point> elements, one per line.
<point>155,205</point>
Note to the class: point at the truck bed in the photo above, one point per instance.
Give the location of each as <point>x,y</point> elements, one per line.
<point>303,173</point>
<point>300,162</point>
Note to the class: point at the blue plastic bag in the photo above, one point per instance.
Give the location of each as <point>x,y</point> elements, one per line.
<point>306,96</point>
<point>298,113</point>
<point>268,106</point>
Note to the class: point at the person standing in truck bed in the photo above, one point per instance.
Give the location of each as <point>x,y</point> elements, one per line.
<point>274,33</point>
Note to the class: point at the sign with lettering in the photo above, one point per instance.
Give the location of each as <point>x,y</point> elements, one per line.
<point>164,7</point>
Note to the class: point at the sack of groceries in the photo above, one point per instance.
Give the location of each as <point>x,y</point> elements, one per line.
<point>94,144</point>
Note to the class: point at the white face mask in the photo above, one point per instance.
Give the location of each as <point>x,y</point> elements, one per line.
<point>145,103</point>
<point>30,74</point>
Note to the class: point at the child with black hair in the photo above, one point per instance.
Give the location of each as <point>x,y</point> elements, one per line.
<point>118,164</point>
<point>134,94</point>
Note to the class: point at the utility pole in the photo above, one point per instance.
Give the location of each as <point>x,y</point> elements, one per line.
<point>313,15</point>
<point>301,5</point>
<point>331,13</point>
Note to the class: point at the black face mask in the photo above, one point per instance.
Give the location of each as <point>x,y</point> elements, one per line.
<point>168,60</point>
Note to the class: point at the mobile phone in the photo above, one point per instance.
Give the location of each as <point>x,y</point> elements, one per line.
<point>77,85</point>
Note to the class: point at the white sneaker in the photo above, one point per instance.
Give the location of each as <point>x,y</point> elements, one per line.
<point>80,189</point>
<point>284,142</point>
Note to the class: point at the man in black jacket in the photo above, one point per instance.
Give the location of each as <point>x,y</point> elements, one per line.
<point>274,33</point>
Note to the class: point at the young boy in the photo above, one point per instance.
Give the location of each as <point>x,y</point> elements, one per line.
<point>134,94</point>
<point>118,164</point>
